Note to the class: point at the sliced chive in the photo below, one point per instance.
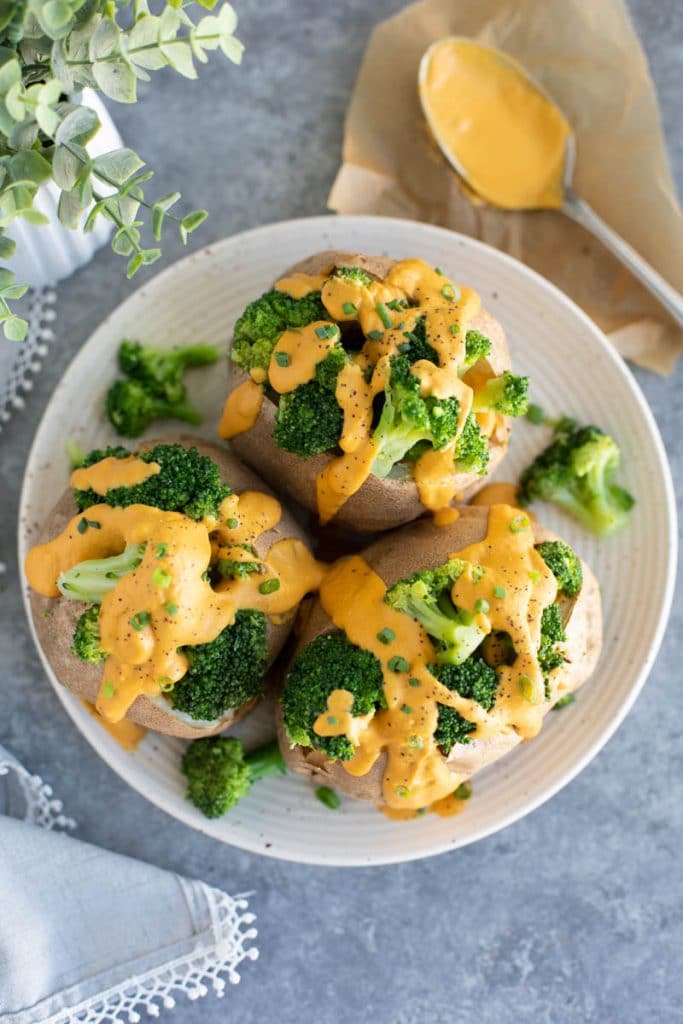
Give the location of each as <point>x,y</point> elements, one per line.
<point>108,690</point>
<point>386,635</point>
<point>439,271</point>
<point>404,346</point>
<point>454,328</point>
<point>406,709</point>
<point>477,573</point>
<point>82,525</point>
<point>519,523</point>
<point>349,309</point>
<point>416,742</point>
<point>398,664</point>
<point>499,592</point>
<point>563,702</point>
<point>166,684</point>
<point>383,314</point>
<point>331,720</point>
<point>161,578</point>
<point>94,524</point>
<point>402,791</point>
<point>327,331</point>
<point>232,524</point>
<point>140,620</point>
<point>397,305</point>
<point>328,797</point>
<point>526,688</point>
<point>482,606</point>
<point>282,358</point>
<point>535,414</point>
<point>375,335</point>
<point>534,575</point>
<point>413,682</point>
<point>269,586</point>
<point>463,792</point>
<point>161,550</point>
<point>171,608</point>
<point>448,292</point>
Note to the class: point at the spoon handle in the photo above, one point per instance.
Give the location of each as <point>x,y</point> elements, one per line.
<point>579,210</point>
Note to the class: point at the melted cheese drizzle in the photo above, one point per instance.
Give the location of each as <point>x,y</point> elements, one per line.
<point>241,409</point>
<point>127,734</point>
<point>165,603</point>
<point>128,472</point>
<point>518,586</point>
<point>423,291</point>
<point>508,137</point>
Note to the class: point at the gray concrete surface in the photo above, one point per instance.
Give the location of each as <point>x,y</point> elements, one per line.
<point>571,916</point>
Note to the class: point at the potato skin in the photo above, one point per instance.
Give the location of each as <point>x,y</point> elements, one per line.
<point>397,556</point>
<point>378,504</point>
<point>55,618</point>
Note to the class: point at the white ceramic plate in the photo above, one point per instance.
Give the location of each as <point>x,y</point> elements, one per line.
<point>573,370</point>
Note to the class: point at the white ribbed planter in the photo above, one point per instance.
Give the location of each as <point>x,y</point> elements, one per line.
<point>49,252</point>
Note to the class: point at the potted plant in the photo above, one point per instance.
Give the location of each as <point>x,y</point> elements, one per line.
<point>55,56</point>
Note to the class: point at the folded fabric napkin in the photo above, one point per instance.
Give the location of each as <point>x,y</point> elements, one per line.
<point>89,936</point>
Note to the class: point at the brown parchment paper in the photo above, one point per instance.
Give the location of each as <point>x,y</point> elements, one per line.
<point>588,56</point>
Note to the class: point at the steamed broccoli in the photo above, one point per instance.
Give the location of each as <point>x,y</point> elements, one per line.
<point>407,418</point>
<point>226,672</point>
<point>265,319</point>
<point>471,453</point>
<point>506,394</point>
<point>161,370</point>
<point>552,633</point>
<point>473,679</point>
<point>416,345</point>
<point>330,662</point>
<point>131,406</point>
<point>309,420</point>
<point>86,644</point>
<point>219,774</point>
<point>188,482</point>
<point>92,579</point>
<point>576,472</point>
<point>353,274</point>
<point>426,598</point>
<point>564,564</point>
<point>477,346</point>
<point>238,569</point>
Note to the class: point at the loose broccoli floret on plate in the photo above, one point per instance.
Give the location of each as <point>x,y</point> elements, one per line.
<point>265,319</point>
<point>86,644</point>
<point>161,370</point>
<point>473,679</point>
<point>552,633</point>
<point>407,418</point>
<point>330,662</point>
<point>226,672</point>
<point>353,274</point>
<point>92,579</point>
<point>576,472</point>
<point>309,420</point>
<point>506,394</point>
<point>219,773</point>
<point>131,407</point>
<point>471,452</point>
<point>564,564</point>
<point>188,482</point>
<point>426,597</point>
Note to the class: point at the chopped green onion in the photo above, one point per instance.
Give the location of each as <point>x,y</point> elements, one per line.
<point>161,550</point>
<point>526,688</point>
<point>161,578</point>
<point>171,608</point>
<point>375,335</point>
<point>482,606</point>
<point>75,453</point>
<point>82,525</point>
<point>454,328</point>
<point>386,635</point>
<point>396,305</point>
<point>398,664</point>
<point>140,620</point>
<point>534,575</point>
<point>477,572</point>
<point>383,314</point>
<point>413,682</point>
<point>406,709</point>
<point>328,797</point>
<point>232,524</point>
<point>448,292</point>
<point>416,742</point>
<point>439,271</point>
<point>269,586</point>
<point>282,358</point>
<point>402,791</point>
<point>108,690</point>
<point>166,684</point>
<point>499,592</point>
<point>563,702</point>
<point>463,792</point>
<point>349,309</point>
<point>331,720</point>
<point>327,331</point>
<point>519,523</point>
<point>535,414</point>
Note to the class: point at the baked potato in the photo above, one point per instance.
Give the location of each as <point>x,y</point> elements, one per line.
<point>300,409</point>
<point>177,710</point>
<point>356,636</point>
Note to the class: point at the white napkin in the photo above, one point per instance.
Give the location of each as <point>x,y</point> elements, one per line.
<point>90,936</point>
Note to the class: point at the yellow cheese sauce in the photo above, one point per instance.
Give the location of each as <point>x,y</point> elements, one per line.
<point>167,602</point>
<point>113,472</point>
<point>505,134</point>
<point>127,734</point>
<point>241,409</point>
<point>386,312</point>
<point>506,573</point>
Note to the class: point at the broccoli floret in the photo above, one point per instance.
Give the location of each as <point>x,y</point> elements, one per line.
<point>236,569</point>
<point>576,472</point>
<point>552,633</point>
<point>92,579</point>
<point>407,418</point>
<point>564,564</point>
<point>263,321</point>
<point>353,274</point>
<point>471,453</point>
<point>309,420</point>
<point>188,482</point>
<point>161,370</point>
<point>426,598</point>
<point>506,394</point>
<point>86,645</point>
<point>473,679</point>
<point>330,662</point>
<point>131,407</point>
<point>219,774</point>
<point>98,454</point>
<point>416,345</point>
<point>226,672</point>
<point>477,346</point>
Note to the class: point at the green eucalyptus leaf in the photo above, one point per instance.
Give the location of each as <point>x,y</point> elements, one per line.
<point>35,217</point>
<point>178,53</point>
<point>81,124</point>
<point>7,247</point>
<point>134,264</point>
<point>55,17</point>
<point>116,80</point>
<point>66,167</point>
<point>6,278</point>
<point>48,120</point>
<point>117,167</point>
<point>29,166</point>
<point>15,291</point>
<point>22,135</point>
<point>104,41</point>
<point>15,328</point>
<point>191,222</point>
<point>70,208</point>
<point>10,74</point>
<point>14,101</point>
<point>232,48</point>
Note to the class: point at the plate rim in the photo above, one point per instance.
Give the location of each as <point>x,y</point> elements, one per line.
<point>529,804</point>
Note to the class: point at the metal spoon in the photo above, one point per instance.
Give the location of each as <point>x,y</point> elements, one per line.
<point>573,205</point>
